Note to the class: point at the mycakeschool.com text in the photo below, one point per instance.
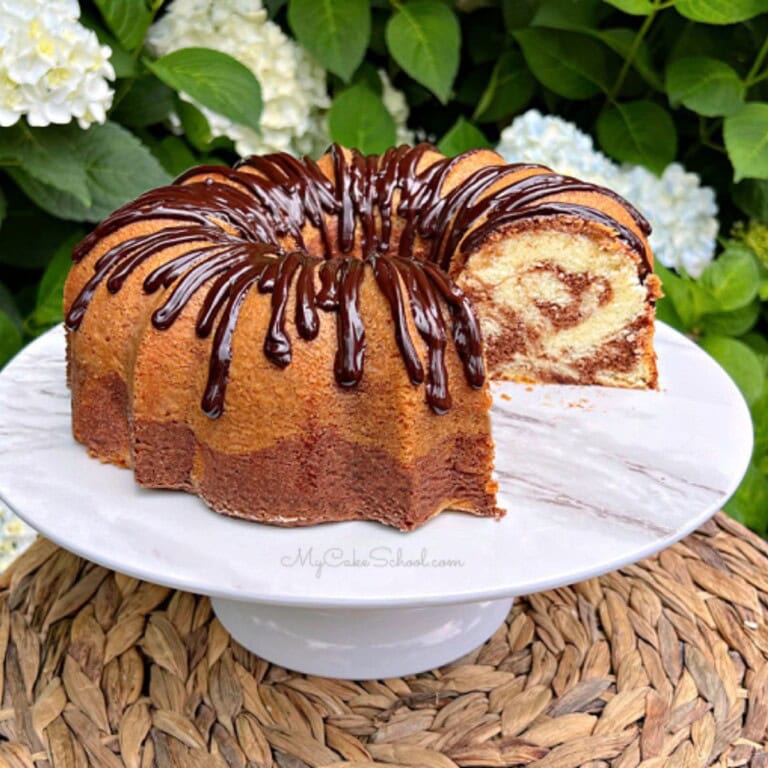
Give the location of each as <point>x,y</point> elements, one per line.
<point>377,557</point>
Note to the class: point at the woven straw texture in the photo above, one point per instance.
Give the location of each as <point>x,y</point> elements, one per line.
<point>659,664</point>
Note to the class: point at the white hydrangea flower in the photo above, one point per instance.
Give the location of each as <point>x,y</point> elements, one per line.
<point>52,69</point>
<point>682,211</point>
<point>15,537</point>
<point>397,106</point>
<point>293,86</point>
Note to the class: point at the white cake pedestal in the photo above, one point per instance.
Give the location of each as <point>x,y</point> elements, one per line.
<point>361,644</point>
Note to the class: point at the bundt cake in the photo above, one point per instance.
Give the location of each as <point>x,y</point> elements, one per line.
<point>299,342</point>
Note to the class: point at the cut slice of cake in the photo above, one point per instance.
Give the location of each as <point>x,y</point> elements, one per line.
<point>559,270</point>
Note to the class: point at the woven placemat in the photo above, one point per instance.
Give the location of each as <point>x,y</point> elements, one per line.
<point>660,664</point>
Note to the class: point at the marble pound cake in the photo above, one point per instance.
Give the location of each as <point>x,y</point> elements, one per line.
<point>299,342</point>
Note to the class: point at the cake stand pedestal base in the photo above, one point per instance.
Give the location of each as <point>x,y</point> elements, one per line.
<point>361,643</point>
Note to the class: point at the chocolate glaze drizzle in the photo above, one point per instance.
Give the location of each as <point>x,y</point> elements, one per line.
<point>244,228</point>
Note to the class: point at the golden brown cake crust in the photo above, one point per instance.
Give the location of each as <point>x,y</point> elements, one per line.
<point>315,311</point>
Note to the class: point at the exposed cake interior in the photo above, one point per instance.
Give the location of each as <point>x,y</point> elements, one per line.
<point>563,304</point>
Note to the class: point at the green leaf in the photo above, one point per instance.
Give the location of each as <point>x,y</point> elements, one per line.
<point>10,339</point>
<point>740,363</point>
<point>759,344</point>
<point>129,20</point>
<point>358,119</point>
<point>566,14</point>
<point>8,305</point>
<point>751,195</point>
<point>195,125</point>
<point>704,302</point>
<point>759,411</point>
<point>678,292</point>
<point>118,167</point>
<point>122,61</point>
<point>635,7</point>
<point>148,101</point>
<point>509,89</point>
<point>3,207</point>
<point>461,137</point>
<point>638,132</point>
<point>720,11</point>
<point>29,236</point>
<point>48,307</point>
<point>335,32</point>
<point>569,63</point>
<point>214,79</point>
<point>49,291</point>
<point>173,154</point>
<point>424,38</point>
<point>518,13</point>
<point>48,155</point>
<point>749,505</point>
<point>732,323</point>
<point>746,140</point>
<point>621,40</point>
<point>707,86</point>
<point>689,298</point>
<point>733,278</point>
<point>666,313</point>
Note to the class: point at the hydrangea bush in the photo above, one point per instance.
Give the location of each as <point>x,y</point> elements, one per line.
<point>664,100</point>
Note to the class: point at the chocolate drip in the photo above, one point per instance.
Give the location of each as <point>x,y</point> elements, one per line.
<point>348,365</point>
<point>307,319</point>
<point>138,252</point>
<point>167,274</point>
<point>429,321</point>
<point>389,283</point>
<point>277,345</point>
<point>466,328</point>
<point>221,290</point>
<point>221,353</point>
<point>164,317</point>
<point>227,272</point>
<point>201,204</point>
<point>245,227</point>
<point>327,296</point>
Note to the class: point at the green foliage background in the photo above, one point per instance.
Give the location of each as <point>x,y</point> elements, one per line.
<point>652,80</point>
